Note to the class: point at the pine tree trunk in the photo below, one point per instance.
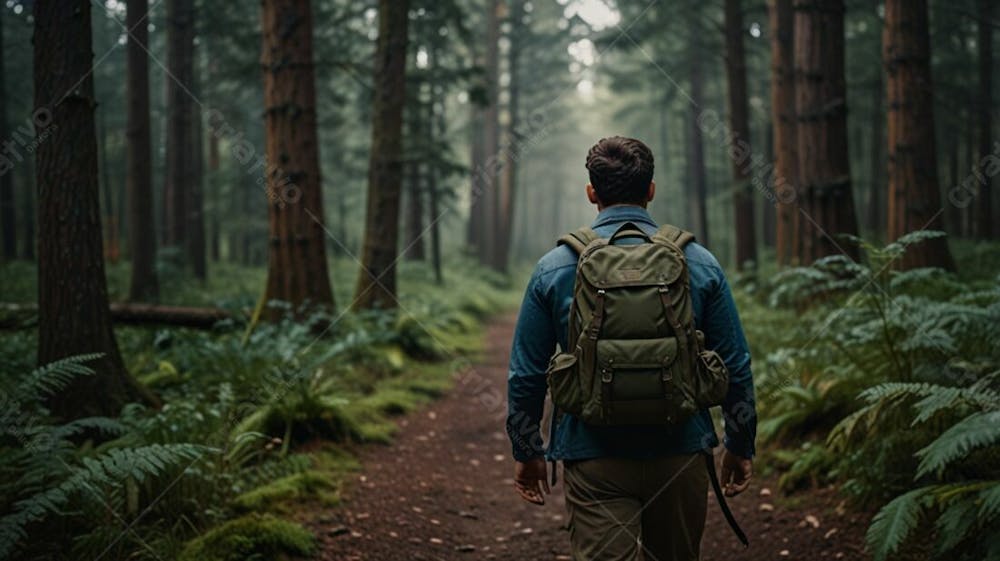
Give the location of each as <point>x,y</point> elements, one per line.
<point>488,254</point>
<point>376,286</point>
<point>508,184</point>
<point>73,316</point>
<point>697,174</point>
<point>413,244</point>
<point>28,211</point>
<point>297,268</point>
<point>438,128</point>
<point>215,227</point>
<point>786,163</point>
<point>876,208</point>
<point>180,47</point>
<point>8,224</point>
<point>985,223</point>
<point>824,197</point>
<point>474,231</point>
<point>143,285</point>
<point>195,223</point>
<point>914,197</point>
<point>739,123</point>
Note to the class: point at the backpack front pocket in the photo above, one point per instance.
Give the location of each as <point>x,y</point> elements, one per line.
<point>636,382</point>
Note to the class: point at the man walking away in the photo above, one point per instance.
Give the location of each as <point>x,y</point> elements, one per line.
<point>650,339</point>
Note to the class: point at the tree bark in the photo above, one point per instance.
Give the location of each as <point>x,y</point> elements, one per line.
<point>73,315</point>
<point>739,123</point>
<point>215,228</point>
<point>786,165</point>
<point>143,284</point>
<point>826,206</point>
<point>8,233</point>
<point>28,211</point>
<point>985,224</point>
<point>297,268</point>
<point>488,254</point>
<point>508,184</point>
<point>180,49</point>
<point>376,286</point>
<point>876,208</point>
<point>914,196</point>
<point>195,198</point>
<point>697,174</point>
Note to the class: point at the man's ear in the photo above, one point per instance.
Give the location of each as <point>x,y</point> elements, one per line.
<point>592,195</point>
<point>651,192</point>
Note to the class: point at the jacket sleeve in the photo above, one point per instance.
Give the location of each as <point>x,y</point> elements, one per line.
<point>534,342</point>
<point>724,334</point>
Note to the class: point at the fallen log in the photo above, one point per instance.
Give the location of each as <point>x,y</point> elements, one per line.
<point>23,316</point>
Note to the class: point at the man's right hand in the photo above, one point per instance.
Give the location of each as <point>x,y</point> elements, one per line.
<point>736,473</point>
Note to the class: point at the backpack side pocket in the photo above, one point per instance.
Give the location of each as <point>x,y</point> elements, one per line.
<point>564,383</point>
<point>711,377</point>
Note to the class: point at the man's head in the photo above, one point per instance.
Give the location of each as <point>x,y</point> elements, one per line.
<point>621,172</point>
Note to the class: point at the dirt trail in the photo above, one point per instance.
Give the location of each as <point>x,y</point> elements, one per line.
<point>444,491</point>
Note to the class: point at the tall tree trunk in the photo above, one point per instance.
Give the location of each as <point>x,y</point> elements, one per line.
<point>143,285</point>
<point>112,248</point>
<point>697,174</point>
<point>739,124</point>
<point>73,315</point>
<point>377,280</point>
<point>413,232</point>
<point>29,212</point>
<point>296,268</point>
<point>180,49</point>
<point>876,208</point>
<point>985,226</point>
<point>508,183</point>
<point>914,196</point>
<point>786,164</point>
<point>824,180</point>
<point>195,199</point>
<point>474,230</point>
<point>439,130</point>
<point>215,226</point>
<point>488,254</point>
<point>8,233</point>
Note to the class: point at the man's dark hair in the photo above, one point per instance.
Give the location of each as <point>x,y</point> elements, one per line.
<point>620,170</point>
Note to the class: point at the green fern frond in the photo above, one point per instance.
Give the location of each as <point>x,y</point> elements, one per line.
<point>54,376</point>
<point>103,425</point>
<point>989,499</point>
<point>975,431</point>
<point>114,467</point>
<point>955,523</point>
<point>892,525</point>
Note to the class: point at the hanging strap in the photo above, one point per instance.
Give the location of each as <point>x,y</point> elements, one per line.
<point>723,505</point>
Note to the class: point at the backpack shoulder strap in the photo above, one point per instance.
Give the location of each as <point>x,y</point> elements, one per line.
<point>674,235</point>
<point>578,239</point>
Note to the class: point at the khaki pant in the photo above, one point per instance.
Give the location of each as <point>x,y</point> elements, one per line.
<point>619,507</point>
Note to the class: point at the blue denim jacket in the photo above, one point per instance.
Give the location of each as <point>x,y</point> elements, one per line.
<point>543,322</point>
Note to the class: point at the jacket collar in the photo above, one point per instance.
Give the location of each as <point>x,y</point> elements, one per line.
<point>622,213</point>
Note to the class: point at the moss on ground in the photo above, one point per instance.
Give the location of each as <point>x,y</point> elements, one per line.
<point>254,536</point>
<point>274,496</point>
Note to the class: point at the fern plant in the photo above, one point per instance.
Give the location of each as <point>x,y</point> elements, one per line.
<point>48,476</point>
<point>959,470</point>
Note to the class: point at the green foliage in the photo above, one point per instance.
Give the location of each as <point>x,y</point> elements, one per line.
<point>250,537</point>
<point>897,378</point>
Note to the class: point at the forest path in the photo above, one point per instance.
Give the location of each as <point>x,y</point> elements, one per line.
<point>444,490</point>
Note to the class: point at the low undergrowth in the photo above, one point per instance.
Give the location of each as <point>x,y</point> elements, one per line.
<point>255,423</point>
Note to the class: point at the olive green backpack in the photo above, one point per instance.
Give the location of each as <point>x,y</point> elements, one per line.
<point>634,356</point>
